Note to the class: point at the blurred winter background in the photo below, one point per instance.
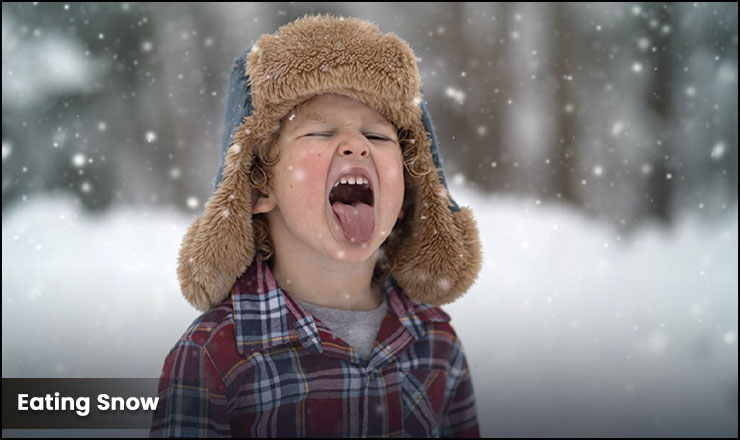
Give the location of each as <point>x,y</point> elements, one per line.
<point>596,143</point>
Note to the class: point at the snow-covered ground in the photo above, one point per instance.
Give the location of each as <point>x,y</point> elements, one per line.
<point>570,329</point>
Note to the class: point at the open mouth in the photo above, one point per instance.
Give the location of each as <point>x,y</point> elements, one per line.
<point>348,193</point>
<point>352,201</point>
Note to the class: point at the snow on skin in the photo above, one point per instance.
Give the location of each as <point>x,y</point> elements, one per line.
<point>297,174</point>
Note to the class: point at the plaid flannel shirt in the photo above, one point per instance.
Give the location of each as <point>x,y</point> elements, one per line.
<point>260,365</point>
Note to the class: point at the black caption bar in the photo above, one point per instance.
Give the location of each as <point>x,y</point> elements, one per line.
<point>79,403</point>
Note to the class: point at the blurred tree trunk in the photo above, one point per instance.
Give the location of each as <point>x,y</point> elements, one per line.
<point>468,152</point>
<point>564,170</point>
<point>498,161</point>
<point>484,156</point>
<point>659,100</point>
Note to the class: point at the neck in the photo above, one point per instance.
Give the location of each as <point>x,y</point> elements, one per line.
<point>346,286</point>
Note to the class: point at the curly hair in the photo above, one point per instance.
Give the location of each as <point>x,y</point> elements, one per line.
<point>267,154</point>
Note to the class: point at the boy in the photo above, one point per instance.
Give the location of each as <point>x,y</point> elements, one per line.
<point>322,254</point>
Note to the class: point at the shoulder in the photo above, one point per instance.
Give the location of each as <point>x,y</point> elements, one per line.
<point>443,335</point>
<point>209,325</point>
<point>440,341</point>
<point>436,321</point>
<point>211,337</point>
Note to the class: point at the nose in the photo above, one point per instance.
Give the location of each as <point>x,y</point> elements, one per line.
<point>353,144</point>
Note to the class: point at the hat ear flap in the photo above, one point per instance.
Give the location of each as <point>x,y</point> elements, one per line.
<point>238,106</point>
<point>440,259</point>
<point>218,247</point>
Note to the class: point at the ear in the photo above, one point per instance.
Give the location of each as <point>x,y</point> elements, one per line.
<point>262,203</point>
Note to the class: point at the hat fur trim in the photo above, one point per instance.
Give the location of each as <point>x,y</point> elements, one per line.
<point>438,256</point>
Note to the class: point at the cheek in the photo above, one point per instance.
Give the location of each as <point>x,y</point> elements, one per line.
<point>304,177</point>
<point>393,188</point>
<point>394,174</point>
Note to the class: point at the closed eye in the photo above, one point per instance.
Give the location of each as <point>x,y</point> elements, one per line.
<point>367,136</point>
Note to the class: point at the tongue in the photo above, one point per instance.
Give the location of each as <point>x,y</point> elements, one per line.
<point>357,220</point>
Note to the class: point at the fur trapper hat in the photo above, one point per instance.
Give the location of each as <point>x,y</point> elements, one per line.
<point>438,254</point>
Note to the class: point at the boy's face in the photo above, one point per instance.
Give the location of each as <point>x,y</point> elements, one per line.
<point>328,138</point>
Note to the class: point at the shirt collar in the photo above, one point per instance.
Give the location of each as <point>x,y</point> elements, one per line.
<point>265,316</point>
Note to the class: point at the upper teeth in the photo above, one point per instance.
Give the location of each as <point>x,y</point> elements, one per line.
<point>352,180</point>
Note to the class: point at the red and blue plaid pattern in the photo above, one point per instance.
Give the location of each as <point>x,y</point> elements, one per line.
<point>260,365</point>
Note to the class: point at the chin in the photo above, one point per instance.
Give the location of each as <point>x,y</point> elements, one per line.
<point>354,253</point>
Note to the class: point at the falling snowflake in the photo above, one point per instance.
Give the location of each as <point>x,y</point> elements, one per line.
<point>7,150</point>
<point>192,202</point>
<point>78,160</point>
<point>717,151</point>
<point>443,284</point>
<point>456,94</point>
<point>729,338</point>
<point>151,136</point>
<point>617,128</point>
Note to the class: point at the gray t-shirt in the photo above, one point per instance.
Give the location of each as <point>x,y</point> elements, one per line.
<point>358,328</point>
